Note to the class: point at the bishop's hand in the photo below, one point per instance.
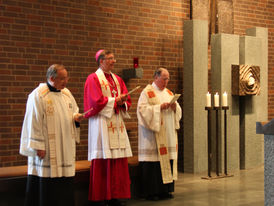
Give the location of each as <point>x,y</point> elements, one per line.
<point>120,100</point>
<point>124,97</point>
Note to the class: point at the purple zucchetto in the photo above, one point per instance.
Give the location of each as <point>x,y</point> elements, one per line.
<point>98,54</point>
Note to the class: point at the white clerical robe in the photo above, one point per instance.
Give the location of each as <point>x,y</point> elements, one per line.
<point>100,130</point>
<point>49,125</point>
<point>149,121</point>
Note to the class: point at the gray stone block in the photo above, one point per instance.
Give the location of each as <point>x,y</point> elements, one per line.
<point>195,88</point>
<point>225,53</point>
<point>253,109</point>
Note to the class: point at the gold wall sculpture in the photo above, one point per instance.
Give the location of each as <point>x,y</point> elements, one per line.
<point>245,80</point>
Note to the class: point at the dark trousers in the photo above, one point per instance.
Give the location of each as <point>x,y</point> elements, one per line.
<point>43,191</point>
<point>151,180</point>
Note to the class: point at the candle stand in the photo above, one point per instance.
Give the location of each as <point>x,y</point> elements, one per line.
<point>209,155</point>
<point>217,139</point>
<point>209,114</point>
<point>225,142</point>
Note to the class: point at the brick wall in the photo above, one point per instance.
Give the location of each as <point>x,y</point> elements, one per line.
<point>37,33</point>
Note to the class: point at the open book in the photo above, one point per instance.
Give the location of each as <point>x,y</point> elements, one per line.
<point>174,99</point>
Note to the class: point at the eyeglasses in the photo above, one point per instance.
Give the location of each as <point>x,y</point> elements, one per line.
<point>110,58</point>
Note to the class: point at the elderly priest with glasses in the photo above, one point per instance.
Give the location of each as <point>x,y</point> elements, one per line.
<point>158,120</point>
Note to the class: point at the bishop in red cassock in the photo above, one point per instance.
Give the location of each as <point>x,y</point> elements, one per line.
<point>107,103</point>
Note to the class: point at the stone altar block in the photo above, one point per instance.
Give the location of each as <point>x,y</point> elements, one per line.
<point>268,131</point>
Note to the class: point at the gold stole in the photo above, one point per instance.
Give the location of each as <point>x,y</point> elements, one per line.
<point>161,141</point>
<point>115,123</point>
<point>44,91</point>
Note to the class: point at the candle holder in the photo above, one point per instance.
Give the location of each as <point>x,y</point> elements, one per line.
<point>209,110</point>
<point>217,138</point>
<point>209,155</point>
<point>225,108</point>
<point>135,62</point>
<point>225,137</point>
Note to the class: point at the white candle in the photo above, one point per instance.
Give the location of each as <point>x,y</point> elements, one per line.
<point>224,99</point>
<point>216,100</point>
<point>208,99</point>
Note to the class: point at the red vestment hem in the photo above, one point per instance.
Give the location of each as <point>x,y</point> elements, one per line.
<point>109,179</point>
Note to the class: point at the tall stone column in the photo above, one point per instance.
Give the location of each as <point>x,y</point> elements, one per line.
<point>224,53</point>
<point>253,51</point>
<point>195,83</point>
<point>263,97</point>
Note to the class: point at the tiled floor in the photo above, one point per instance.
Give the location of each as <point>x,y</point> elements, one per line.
<point>245,188</point>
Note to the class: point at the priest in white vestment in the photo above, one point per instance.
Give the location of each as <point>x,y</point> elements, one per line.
<point>106,103</point>
<point>49,133</point>
<point>158,122</point>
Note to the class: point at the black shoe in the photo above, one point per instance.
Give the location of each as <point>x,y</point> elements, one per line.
<point>152,198</point>
<point>166,195</point>
<point>97,203</point>
<point>116,202</point>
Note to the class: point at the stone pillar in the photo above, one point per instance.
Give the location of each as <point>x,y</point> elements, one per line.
<point>195,83</point>
<point>224,53</point>
<point>253,108</point>
<point>262,111</point>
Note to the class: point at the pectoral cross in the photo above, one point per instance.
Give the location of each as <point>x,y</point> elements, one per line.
<point>114,92</point>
